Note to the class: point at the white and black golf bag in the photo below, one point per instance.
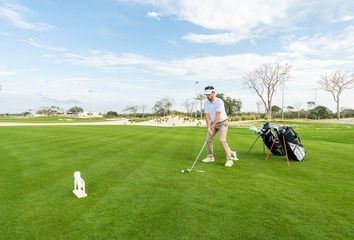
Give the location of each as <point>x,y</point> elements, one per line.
<point>290,142</point>
<point>269,133</point>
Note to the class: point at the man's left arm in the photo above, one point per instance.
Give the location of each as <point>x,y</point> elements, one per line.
<point>216,120</point>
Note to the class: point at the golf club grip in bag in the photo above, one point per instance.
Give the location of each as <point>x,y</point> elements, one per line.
<point>270,138</point>
<point>291,141</point>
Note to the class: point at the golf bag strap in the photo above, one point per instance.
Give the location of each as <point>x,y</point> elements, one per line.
<point>295,133</point>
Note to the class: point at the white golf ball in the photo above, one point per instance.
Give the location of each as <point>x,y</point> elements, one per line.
<point>182,171</point>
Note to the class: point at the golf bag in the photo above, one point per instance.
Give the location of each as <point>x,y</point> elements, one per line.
<point>270,138</point>
<point>290,142</point>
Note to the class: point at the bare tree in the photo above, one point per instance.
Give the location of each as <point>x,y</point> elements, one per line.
<point>143,107</point>
<point>189,105</point>
<point>259,106</point>
<point>131,109</point>
<point>264,81</point>
<point>342,110</point>
<point>335,83</point>
<point>298,108</point>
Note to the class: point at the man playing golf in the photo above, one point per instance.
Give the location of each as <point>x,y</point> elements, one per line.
<point>216,120</point>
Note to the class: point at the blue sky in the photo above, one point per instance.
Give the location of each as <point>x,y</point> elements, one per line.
<point>137,52</point>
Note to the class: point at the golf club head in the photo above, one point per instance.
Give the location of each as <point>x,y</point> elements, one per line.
<point>189,170</point>
<point>254,129</point>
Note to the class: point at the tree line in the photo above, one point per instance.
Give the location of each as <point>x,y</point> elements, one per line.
<point>264,81</point>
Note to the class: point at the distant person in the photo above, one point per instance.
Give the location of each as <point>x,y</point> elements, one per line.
<point>216,120</point>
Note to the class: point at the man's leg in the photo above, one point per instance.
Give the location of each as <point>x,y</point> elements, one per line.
<point>210,144</point>
<point>223,134</point>
<point>210,157</point>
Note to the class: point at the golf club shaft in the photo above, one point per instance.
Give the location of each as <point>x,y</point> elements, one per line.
<point>201,150</point>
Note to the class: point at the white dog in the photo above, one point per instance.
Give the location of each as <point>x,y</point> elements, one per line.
<point>79,185</point>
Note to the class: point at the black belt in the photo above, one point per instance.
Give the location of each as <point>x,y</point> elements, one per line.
<point>223,121</point>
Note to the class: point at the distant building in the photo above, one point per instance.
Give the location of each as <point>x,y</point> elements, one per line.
<point>90,114</point>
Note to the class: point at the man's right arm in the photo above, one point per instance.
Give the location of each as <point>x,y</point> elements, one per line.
<point>207,119</point>
<point>208,123</point>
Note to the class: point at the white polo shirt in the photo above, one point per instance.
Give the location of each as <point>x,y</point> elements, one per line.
<point>213,107</point>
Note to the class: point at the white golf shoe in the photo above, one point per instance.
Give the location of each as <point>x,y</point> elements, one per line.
<point>234,156</point>
<point>208,160</point>
<point>229,163</point>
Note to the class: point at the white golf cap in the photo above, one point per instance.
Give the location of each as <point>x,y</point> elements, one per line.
<point>209,90</point>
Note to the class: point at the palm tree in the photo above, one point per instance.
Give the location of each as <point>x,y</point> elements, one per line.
<point>200,98</point>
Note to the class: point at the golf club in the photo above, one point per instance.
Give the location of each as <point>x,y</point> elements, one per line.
<point>188,170</point>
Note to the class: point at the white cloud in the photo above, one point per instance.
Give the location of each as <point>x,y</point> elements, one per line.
<point>239,20</point>
<point>39,44</point>
<point>221,38</point>
<point>325,11</point>
<point>153,15</point>
<point>119,79</point>
<point>343,18</point>
<point>236,18</point>
<point>59,101</point>
<point>101,59</point>
<point>175,76</point>
<point>207,68</point>
<point>227,15</point>
<point>6,73</point>
<point>15,14</point>
<point>222,71</point>
<point>324,46</point>
<point>233,15</point>
<point>203,68</point>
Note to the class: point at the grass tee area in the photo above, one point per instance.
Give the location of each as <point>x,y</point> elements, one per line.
<point>136,191</point>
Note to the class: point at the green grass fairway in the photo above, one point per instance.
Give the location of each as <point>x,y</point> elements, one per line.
<point>50,119</point>
<point>136,190</point>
